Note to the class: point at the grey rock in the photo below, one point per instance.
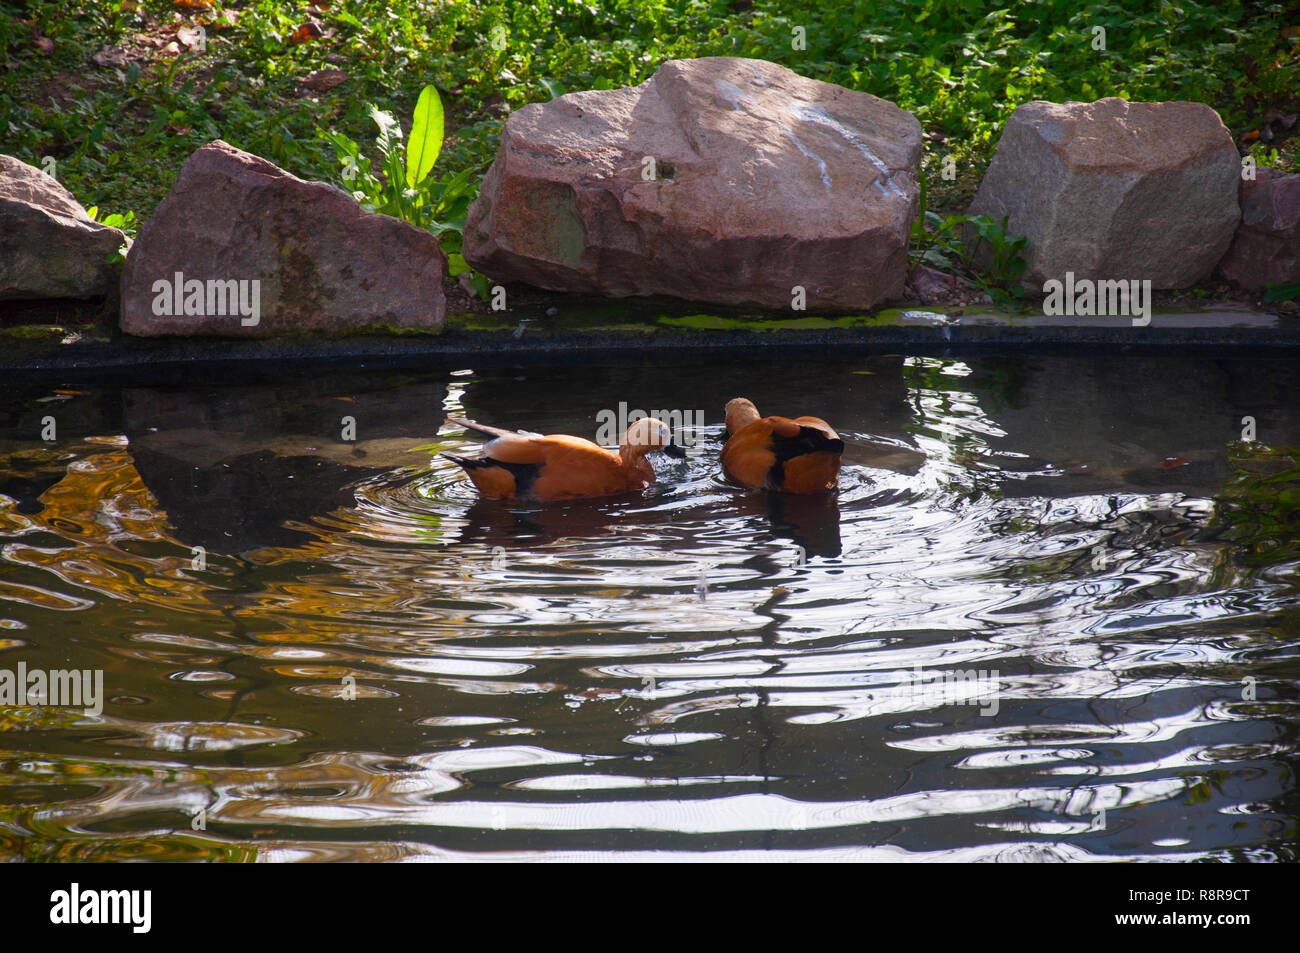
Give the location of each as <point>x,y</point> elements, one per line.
<point>1116,190</point>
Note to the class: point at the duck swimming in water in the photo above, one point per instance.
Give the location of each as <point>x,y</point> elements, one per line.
<point>800,455</point>
<point>517,464</point>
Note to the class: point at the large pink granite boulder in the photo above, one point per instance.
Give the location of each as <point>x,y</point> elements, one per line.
<point>1116,190</point>
<point>320,261</point>
<point>717,180</point>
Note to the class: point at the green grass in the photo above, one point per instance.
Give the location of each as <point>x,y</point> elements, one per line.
<point>120,133</point>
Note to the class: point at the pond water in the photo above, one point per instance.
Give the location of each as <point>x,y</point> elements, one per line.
<point>1046,616</point>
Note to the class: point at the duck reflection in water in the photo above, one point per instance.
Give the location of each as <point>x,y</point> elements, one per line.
<point>809,521</point>
<point>506,523</point>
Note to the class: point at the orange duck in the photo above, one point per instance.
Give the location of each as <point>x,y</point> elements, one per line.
<point>523,465</point>
<point>776,453</point>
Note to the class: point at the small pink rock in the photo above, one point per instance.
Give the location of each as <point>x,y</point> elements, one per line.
<point>930,285</point>
<point>49,246</point>
<point>1266,248</point>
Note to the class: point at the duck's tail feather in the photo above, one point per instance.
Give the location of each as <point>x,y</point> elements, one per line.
<point>823,442</point>
<point>479,428</point>
<point>465,462</point>
<point>807,440</point>
<point>498,478</point>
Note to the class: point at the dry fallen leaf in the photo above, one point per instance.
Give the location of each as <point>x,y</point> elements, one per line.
<point>324,79</point>
<point>45,45</point>
<point>190,37</point>
<point>597,694</point>
<point>112,57</point>
<point>305,33</point>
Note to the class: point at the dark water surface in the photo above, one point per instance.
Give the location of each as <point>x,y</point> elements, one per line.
<point>1047,616</point>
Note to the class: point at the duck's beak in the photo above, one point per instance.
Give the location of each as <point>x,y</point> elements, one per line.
<point>673,450</point>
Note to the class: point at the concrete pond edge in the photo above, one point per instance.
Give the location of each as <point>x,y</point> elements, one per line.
<point>593,336</point>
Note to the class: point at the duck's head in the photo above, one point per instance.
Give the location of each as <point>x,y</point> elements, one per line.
<point>649,435</point>
<point>739,412</point>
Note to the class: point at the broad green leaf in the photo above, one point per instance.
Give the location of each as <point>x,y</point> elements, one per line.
<point>426,136</point>
<point>349,19</point>
<point>1282,292</point>
<point>456,265</point>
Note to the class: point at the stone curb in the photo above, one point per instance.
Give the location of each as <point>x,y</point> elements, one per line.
<point>1174,333</point>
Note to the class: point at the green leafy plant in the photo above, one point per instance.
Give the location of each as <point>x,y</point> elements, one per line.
<point>403,188</point>
<point>1282,292</point>
<point>960,68</point>
<point>125,223</point>
<point>1265,156</point>
<point>954,243</point>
